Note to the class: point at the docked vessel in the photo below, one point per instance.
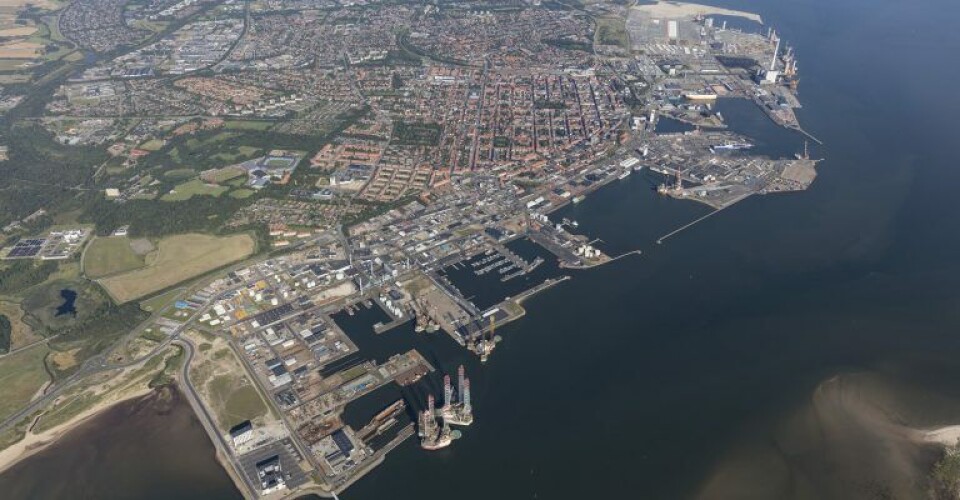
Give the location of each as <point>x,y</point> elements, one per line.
<point>434,436</point>
<point>457,411</point>
<point>732,146</point>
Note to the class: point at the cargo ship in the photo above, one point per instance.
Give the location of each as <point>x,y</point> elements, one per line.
<point>733,146</point>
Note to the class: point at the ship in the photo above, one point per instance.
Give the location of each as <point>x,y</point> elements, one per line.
<point>391,410</point>
<point>625,174</point>
<point>731,146</point>
<point>578,198</point>
<point>694,96</point>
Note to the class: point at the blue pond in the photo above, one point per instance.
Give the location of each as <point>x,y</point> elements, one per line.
<point>69,299</point>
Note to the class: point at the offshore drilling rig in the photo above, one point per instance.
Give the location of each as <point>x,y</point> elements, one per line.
<point>434,425</point>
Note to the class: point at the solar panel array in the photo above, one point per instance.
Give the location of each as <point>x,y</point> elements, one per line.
<point>26,248</point>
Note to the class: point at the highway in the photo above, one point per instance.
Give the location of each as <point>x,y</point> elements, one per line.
<point>98,364</point>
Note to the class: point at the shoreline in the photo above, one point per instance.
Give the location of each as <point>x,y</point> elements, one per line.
<point>34,443</point>
<point>948,435</point>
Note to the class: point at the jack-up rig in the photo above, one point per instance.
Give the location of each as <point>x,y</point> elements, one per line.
<point>484,342</point>
<point>455,411</point>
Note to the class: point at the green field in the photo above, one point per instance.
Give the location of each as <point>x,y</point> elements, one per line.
<point>225,174</point>
<point>14,65</point>
<point>612,31</point>
<point>111,255</point>
<point>241,193</point>
<point>235,400</point>
<point>247,125</point>
<point>179,258</point>
<point>152,145</point>
<point>22,374</point>
<point>179,173</point>
<point>158,302</point>
<point>278,162</point>
<point>193,188</point>
<point>241,153</point>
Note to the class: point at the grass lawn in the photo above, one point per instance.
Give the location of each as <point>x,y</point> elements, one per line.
<point>21,333</point>
<point>227,173</point>
<point>110,255</point>
<point>178,259</point>
<point>189,189</point>
<point>242,153</point>
<point>158,302</point>
<point>237,182</point>
<point>247,125</point>
<point>235,400</point>
<point>14,64</point>
<point>241,193</point>
<point>179,173</point>
<point>22,374</point>
<point>152,145</point>
<point>12,79</point>
<point>612,31</point>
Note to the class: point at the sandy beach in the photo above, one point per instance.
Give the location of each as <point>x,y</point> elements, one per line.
<point>33,443</point>
<point>947,436</point>
<point>676,10</point>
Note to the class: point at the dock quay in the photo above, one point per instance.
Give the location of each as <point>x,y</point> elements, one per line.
<point>375,460</point>
<point>565,255</point>
<point>549,283</point>
<point>385,327</point>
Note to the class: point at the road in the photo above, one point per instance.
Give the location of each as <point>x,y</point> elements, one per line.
<point>223,448</point>
<point>97,364</point>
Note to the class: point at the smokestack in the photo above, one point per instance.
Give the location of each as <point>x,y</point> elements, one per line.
<point>430,408</point>
<point>773,60</point>
<point>461,378</point>
<point>447,392</point>
<point>466,397</point>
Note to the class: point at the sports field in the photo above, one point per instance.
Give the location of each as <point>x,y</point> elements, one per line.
<point>111,255</point>
<point>193,188</point>
<point>177,259</point>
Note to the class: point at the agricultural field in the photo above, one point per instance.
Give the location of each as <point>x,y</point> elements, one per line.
<point>112,255</point>
<point>177,259</point>
<point>22,374</point>
<point>195,187</point>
